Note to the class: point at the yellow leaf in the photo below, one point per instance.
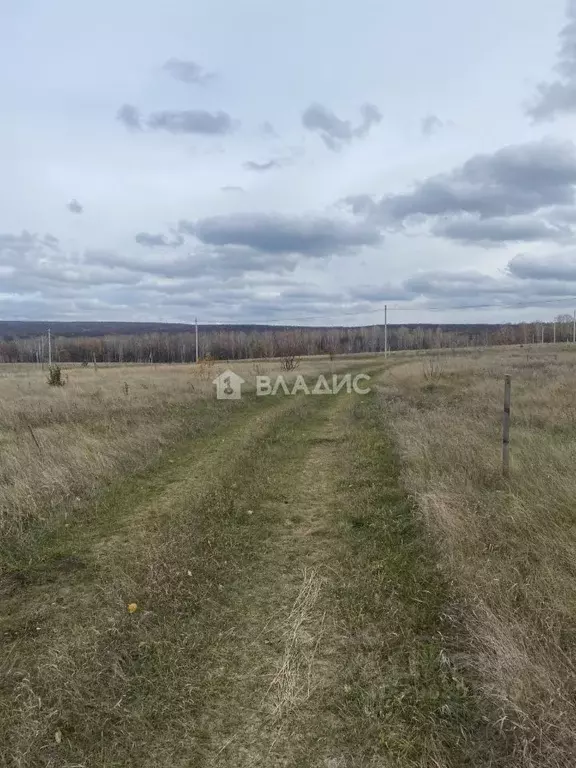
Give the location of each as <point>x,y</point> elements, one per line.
<point>132,607</point>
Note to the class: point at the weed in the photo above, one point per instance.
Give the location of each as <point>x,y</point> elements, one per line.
<point>55,376</point>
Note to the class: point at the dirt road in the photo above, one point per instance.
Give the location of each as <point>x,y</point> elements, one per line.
<point>262,597</point>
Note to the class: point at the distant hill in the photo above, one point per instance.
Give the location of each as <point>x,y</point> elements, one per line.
<point>25,329</point>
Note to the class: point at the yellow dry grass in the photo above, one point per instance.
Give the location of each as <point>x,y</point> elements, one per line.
<point>508,547</point>
<point>61,444</point>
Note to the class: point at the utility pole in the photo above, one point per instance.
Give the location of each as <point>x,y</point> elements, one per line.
<point>196,323</point>
<point>554,334</point>
<point>386,329</point>
<point>50,345</point>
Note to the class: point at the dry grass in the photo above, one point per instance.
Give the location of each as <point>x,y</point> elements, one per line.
<point>289,610</point>
<point>509,548</point>
<point>86,682</point>
<point>60,445</point>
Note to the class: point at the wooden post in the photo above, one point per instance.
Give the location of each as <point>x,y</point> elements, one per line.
<point>506,428</point>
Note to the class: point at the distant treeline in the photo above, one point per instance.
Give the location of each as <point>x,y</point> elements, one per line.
<point>239,343</point>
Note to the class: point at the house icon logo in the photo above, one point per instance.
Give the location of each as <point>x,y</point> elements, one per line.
<point>228,386</point>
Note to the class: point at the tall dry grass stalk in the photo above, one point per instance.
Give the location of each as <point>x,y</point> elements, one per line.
<point>508,547</point>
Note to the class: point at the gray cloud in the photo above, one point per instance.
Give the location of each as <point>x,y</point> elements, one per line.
<point>267,129</point>
<point>528,281</point>
<point>371,115</point>
<point>50,241</point>
<point>238,260</point>
<point>559,267</point>
<point>381,293</point>
<point>239,282</point>
<point>191,121</point>
<point>25,248</point>
<point>500,230</point>
<point>360,204</point>
<point>188,72</point>
<point>562,213</point>
<point>274,233</point>
<point>158,241</point>
<point>223,263</point>
<point>229,283</point>
<point>129,116</point>
<point>553,99</point>
<point>430,124</point>
<point>75,207</point>
<point>29,265</point>
<point>335,132</point>
<point>517,179</point>
<point>460,284</point>
<point>296,306</point>
<point>232,188</point>
<point>558,96</point>
<point>37,264</point>
<point>252,165</point>
<point>187,227</point>
<point>224,281</point>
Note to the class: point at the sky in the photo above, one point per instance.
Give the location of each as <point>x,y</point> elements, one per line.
<point>260,162</point>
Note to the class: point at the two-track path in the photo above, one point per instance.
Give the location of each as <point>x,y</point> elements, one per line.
<point>287,613</point>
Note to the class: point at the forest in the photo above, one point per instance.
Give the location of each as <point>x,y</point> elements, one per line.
<point>75,343</point>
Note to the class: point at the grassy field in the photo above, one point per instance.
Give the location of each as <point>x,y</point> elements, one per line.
<point>60,445</point>
<point>310,581</point>
<point>507,548</point>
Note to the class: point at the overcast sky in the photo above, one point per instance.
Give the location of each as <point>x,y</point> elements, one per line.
<point>277,162</point>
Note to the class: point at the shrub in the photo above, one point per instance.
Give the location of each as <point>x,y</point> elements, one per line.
<point>55,377</point>
<point>289,362</point>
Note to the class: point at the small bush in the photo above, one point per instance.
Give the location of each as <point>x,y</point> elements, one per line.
<point>289,362</point>
<point>204,367</point>
<point>432,369</point>
<point>55,377</point>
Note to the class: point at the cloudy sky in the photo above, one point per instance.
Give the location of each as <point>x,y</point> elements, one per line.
<point>283,162</point>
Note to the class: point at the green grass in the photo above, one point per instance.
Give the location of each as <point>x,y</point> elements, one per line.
<point>400,695</point>
<point>289,610</point>
<point>92,517</point>
<point>87,683</point>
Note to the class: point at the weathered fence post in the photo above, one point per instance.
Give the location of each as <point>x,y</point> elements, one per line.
<point>506,428</point>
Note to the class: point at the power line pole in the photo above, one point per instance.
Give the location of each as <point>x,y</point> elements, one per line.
<point>554,334</point>
<point>196,323</point>
<point>50,346</point>
<point>386,330</point>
